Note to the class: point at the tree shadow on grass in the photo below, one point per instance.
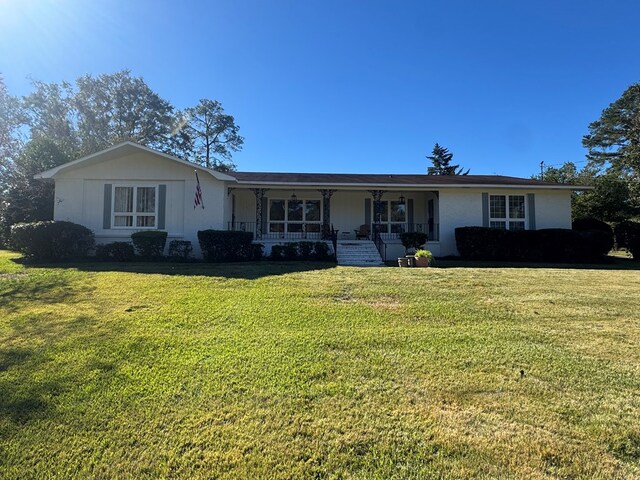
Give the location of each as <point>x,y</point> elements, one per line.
<point>44,289</point>
<point>239,270</point>
<point>610,263</point>
<point>31,379</point>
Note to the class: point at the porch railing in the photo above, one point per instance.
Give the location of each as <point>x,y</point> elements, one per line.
<point>380,245</point>
<point>431,229</point>
<point>393,231</point>
<point>267,235</point>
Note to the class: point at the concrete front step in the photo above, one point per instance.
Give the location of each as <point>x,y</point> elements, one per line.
<point>358,254</point>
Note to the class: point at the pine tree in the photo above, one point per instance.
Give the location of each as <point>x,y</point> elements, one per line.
<point>441,159</point>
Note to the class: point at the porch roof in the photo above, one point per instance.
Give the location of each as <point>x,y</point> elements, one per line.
<point>392,180</point>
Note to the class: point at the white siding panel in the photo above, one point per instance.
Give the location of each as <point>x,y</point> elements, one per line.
<point>553,209</point>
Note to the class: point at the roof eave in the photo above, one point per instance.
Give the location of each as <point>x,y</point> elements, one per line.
<point>409,185</point>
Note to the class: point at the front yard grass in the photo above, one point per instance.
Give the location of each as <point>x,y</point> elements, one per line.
<point>314,371</point>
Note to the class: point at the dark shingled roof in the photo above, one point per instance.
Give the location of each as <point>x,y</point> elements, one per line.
<point>382,179</point>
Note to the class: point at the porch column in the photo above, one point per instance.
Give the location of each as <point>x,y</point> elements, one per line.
<point>326,212</point>
<point>259,193</point>
<point>377,197</point>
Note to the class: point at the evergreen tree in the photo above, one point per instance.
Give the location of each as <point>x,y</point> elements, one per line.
<point>441,160</point>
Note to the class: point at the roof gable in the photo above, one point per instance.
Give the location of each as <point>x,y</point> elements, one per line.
<point>120,150</point>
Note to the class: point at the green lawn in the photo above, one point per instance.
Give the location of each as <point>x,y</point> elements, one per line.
<point>312,371</point>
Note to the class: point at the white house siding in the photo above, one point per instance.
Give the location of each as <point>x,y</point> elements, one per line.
<point>458,208</point>
<point>463,207</point>
<point>79,195</point>
<point>553,209</point>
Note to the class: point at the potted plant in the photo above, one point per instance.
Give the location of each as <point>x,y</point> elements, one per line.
<point>423,258</point>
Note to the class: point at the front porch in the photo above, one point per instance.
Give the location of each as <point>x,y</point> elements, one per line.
<point>309,214</point>
<point>313,214</point>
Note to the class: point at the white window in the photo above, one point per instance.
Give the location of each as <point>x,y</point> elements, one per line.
<point>507,212</point>
<point>295,216</point>
<point>134,206</point>
<point>393,216</point>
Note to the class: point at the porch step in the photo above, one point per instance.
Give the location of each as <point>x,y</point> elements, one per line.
<point>361,253</point>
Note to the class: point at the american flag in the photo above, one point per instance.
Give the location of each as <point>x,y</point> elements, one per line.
<point>197,201</point>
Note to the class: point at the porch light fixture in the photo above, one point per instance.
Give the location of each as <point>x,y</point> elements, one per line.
<point>294,197</point>
<point>401,199</point>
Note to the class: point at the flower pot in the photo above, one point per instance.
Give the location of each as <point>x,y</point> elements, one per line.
<point>422,261</point>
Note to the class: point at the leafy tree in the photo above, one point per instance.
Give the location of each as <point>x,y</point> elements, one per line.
<point>118,107</point>
<point>50,113</point>
<point>610,199</point>
<point>614,139</point>
<point>567,173</point>
<point>211,135</point>
<point>22,198</point>
<point>11,119</point>
<point>441,159</point>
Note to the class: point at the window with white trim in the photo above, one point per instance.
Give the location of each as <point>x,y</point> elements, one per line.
<point>393,216</point>
<point>507,212</point>
<point>295,216</point>
<point>134,206</point>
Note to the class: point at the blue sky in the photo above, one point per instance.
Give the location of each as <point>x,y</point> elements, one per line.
<point>353,86</point>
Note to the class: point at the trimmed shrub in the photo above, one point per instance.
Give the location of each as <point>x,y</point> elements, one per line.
<point>52,240</point>
<point>583,224</point>
<point>225,246</point>
<point>321,252</point>
<point>546,245</point>
<point>301,251</point>
<point>277,252</point>
<point>305,249</point>
<point>180,250</point>
<point>603,238</point>
<point>290,251</point>
<point>257,251</point>
<point>413,240</point>
<point>116,252</point>
<point>149,243</point>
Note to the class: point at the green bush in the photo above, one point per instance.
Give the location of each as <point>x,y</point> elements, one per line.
<point>301,251</point>
<point>583,224</point>
<point>277,252</point>
<point>257,251</point>
<point>321,252</point>
<point>413,240</point>
<point>149,243</point>
<point>546,245</point>
<point>604,238</point>
<point>224,246</point>
<point>52,240</point>
<point>180,250</point>
<point>290,251</point>
<point>305,249</point>
<point>115,251</point>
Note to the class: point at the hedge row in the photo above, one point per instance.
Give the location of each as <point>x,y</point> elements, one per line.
<point>546,245</point>
<point>318,251</point>
<point>224,246</point>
